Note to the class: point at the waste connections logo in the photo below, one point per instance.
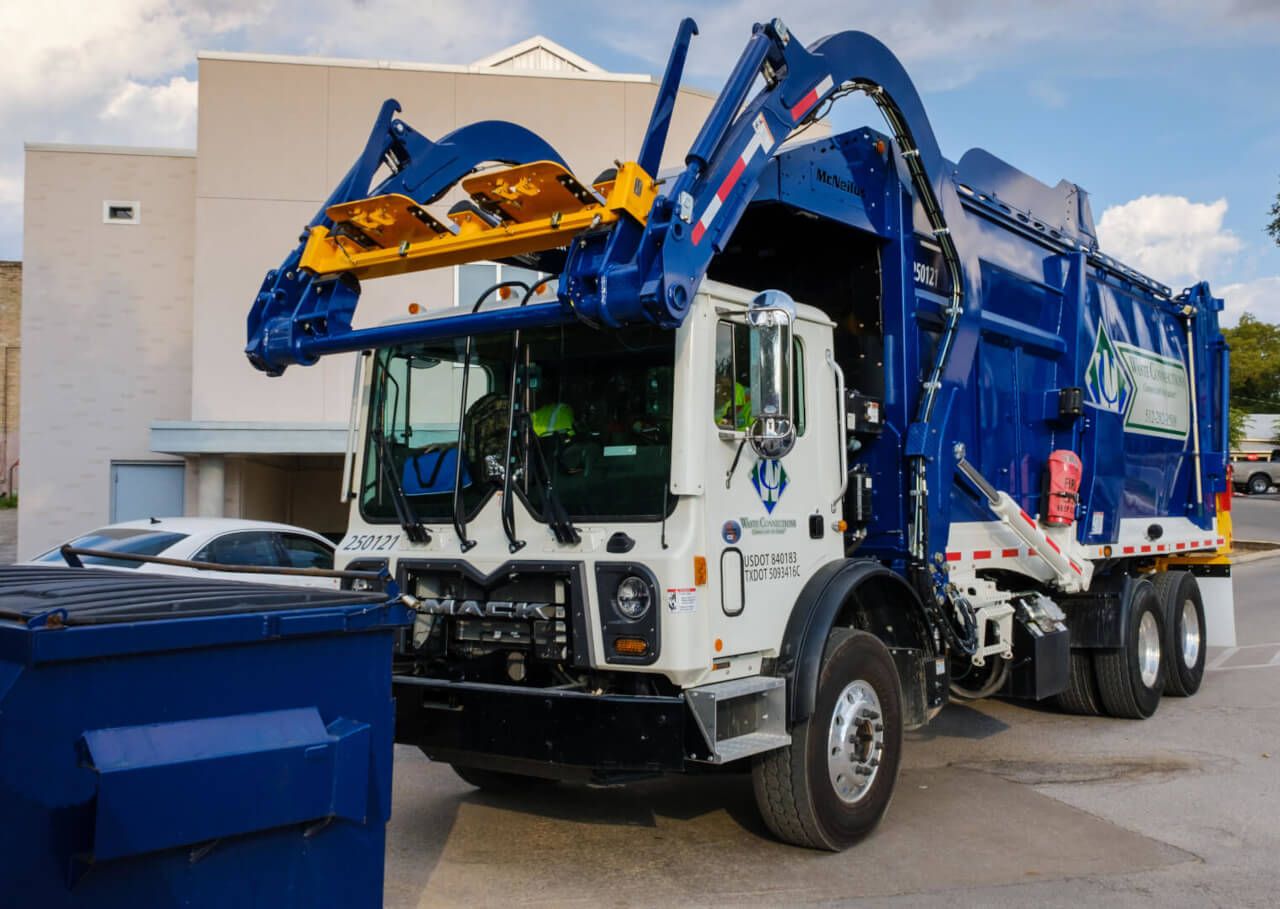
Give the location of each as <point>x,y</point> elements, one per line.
<point>1107,378</point>
<point>769,478</point>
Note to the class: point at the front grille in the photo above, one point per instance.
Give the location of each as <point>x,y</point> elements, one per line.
<point>529,609</point>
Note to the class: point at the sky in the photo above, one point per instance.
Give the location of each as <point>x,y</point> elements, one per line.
<point>1166,111</point>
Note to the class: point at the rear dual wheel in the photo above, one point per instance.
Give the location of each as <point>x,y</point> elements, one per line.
<point>1126,681</point>
<point>1131,677</point>
<point>1184,650</point>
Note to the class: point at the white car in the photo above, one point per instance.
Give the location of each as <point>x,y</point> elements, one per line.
<point>224,541</point>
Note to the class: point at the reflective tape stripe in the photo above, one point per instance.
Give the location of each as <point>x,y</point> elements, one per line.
<point>805,104</point>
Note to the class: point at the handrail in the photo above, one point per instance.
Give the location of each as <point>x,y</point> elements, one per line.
<point>72,553</point>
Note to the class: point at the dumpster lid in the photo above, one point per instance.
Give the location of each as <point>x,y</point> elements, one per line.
<point>92,596</point>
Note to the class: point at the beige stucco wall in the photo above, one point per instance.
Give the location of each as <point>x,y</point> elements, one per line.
<point>10,370</point>
<point>106,328</point>
<point>125,325</point>
<point>275,138</point>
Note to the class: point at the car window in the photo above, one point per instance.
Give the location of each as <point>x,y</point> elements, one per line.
<point>250,547</point>
<point>304,552</point>
<point>117,539</point>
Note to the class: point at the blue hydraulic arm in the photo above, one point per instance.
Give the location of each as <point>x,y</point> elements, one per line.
<point>295,311</point>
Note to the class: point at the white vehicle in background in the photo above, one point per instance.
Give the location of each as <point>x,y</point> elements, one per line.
<point>222,541</point>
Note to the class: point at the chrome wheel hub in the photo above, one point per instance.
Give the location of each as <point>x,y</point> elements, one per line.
<point>855,741</point>
<point>1149,649</point>
<point>1190,635</point>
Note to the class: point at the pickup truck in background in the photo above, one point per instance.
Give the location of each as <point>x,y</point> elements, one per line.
<point>1255,472</point>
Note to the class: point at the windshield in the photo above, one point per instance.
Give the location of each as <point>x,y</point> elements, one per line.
<point>597,406</point>
<point>117,539</point>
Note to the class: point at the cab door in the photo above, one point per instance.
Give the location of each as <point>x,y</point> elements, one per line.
<point>770,522</point>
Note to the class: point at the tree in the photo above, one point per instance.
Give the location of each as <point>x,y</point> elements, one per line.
<point>1235,427</point>
<point>1273,227</point>
<point>1255,365</point>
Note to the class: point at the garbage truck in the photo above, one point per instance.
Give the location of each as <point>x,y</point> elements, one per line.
<point>773,456</point>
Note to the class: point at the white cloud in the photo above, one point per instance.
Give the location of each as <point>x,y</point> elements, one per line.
<point>1260,298</point>
<point>162,114</point>
<point>118,72</point>
<point>1170,238</point>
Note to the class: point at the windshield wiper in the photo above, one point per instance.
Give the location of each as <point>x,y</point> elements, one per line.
<point>459,518</point>
<point>557,515</point>
<point>413,528</point>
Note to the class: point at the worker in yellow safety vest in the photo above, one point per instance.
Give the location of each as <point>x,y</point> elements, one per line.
<point>551,418</point>
<point>740,415</point>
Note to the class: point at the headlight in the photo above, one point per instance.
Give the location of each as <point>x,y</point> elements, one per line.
<point>632,598</point>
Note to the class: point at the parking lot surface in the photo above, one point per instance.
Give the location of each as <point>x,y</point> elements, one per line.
<point>999,803</point>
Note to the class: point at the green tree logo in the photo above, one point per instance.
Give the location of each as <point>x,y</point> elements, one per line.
<point>1107,378</point>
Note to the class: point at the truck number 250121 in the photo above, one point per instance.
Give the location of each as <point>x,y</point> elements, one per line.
<point>366,542</point>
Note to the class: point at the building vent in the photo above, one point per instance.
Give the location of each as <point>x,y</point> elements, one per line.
<point>115,212</point>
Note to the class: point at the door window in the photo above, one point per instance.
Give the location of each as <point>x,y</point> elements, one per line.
<point>252,547</point>
<point>304,552</point>
<point>733,378</point>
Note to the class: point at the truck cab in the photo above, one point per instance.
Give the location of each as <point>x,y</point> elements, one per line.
<point>646,547</point>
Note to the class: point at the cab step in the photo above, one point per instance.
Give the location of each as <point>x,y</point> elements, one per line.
<point>739,718</point>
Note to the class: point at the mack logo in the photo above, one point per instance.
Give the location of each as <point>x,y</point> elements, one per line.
<point>492,609</point>
<point>769,478</point>
<point>1106,379</point>
<point>844,184</point>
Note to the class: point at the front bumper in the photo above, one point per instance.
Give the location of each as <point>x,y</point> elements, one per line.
<point>542,732</point>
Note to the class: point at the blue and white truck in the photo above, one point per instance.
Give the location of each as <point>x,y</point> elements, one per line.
<point>774,456</point>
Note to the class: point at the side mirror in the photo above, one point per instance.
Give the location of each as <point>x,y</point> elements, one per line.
<point>772,432</point>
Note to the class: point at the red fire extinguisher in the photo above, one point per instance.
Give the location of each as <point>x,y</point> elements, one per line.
<point>1062,487</point>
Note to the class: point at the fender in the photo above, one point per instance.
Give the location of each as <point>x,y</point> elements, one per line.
<point>1097,620</point>
<point>817,609</point>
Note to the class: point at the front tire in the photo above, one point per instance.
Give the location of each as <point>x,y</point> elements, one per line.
<point>830,787</point>
<point>1184,652</point>
<point>1131,678</point>
<point>1259,484</point>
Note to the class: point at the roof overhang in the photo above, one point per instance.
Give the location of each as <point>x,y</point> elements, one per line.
<point>200,437</point>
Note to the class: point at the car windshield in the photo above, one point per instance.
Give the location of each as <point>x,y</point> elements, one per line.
<point>593,417</point>
<point>118,539</point>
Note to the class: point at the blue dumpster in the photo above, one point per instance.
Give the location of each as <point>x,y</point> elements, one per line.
<point>187,741</point>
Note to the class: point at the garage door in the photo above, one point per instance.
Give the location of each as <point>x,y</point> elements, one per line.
<point>146,490</point>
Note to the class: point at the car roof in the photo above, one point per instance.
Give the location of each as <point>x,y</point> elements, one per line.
<point>192,526</point>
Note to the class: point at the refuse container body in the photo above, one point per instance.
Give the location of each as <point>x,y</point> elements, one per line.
<point>185,741</point>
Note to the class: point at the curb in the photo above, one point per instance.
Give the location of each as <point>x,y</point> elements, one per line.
<point>1246,558</point>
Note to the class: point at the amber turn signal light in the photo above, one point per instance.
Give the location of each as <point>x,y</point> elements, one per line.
<point>631,646</point>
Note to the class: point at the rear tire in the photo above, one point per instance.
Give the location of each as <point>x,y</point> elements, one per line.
<point>499,781</point>
<point>1131,678</point>
<point>1184,652</point>
<point>1259,484</point>
<point>1081,694</point>
<point>832,784</point>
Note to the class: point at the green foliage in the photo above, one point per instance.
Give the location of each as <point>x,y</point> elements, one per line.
<point>1273,226</point>
<point>1235,427</point>
<point>10,501</point>
<point>1255,365</point>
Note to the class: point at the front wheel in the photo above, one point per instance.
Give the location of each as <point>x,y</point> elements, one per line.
<point>1259,484</point>
<point>833,783</point>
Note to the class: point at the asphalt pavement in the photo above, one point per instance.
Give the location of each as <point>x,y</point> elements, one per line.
<point>999,803</point>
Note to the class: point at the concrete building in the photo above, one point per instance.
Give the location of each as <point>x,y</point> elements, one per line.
<point>1261,430</point>
<point>141,265</point>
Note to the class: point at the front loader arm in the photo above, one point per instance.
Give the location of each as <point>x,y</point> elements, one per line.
<point>296,308</point>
